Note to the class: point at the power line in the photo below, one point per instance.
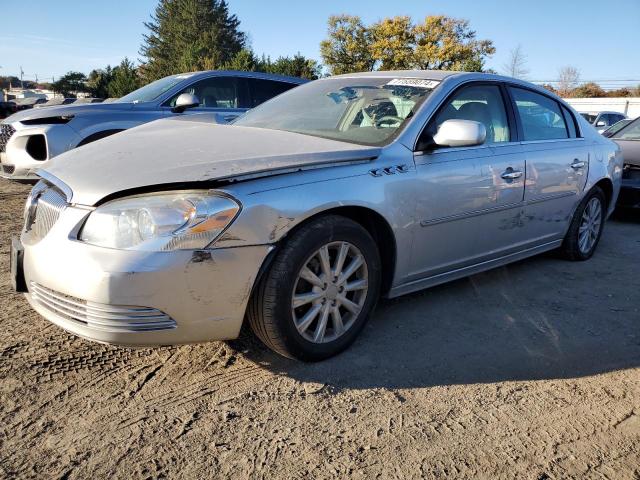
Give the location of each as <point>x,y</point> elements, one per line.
<point>595,80</point>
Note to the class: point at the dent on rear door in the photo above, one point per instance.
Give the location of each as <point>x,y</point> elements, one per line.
<point>555,177</point>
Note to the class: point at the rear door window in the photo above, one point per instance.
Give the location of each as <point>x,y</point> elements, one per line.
<point>540,116</point>
<point>261,90</point>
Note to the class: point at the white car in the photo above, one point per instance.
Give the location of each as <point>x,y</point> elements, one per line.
<point>30,139</point>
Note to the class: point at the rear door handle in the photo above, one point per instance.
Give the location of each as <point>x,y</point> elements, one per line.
<point>511,174</point>
<point>578,164</point>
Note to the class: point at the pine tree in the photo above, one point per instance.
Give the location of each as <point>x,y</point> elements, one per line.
<point>124,79</point>
<point>190,35</point>
<point>296,66</point>
<point>98,81</point>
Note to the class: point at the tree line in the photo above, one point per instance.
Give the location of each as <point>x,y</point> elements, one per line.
<point>191,35</point>
<point>569,84</point>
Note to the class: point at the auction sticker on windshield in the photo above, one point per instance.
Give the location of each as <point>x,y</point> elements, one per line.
<point>414,82</point>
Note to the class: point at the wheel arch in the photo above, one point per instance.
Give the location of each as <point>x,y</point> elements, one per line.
<point>377,226</point>
<point>606,185</point>
<point>99,135</point>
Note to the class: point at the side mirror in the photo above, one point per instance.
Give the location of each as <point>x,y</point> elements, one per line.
<point>601,124</point>
<point>184,101</point>
<point>460,133</point>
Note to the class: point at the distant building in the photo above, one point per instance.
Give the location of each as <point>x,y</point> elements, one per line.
<point>629,106</point>
<point>13,93</point>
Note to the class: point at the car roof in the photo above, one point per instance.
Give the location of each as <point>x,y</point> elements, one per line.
<point>237,73</point>
<point>426,74</point>
<point>442,75</point>
<point>598,112</point>
<point>27,100</point>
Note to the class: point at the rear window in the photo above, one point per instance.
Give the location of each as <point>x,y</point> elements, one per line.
<point>262,90</point>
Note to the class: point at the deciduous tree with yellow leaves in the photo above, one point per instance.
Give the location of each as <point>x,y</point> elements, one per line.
<point>348,47</point>
<point>439,42</point>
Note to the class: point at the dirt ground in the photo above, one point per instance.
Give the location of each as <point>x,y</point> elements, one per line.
<point>528,371</point>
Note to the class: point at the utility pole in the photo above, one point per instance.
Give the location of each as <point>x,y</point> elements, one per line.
<point>21,75</point>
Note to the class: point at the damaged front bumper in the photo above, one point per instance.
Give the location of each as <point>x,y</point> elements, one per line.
<point>138,298</point>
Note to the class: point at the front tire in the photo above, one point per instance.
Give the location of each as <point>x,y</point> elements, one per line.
<point>586,227</point>
<point>319,291</point>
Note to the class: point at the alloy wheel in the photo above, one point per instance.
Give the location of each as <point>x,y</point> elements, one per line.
<point>330,292</point>
<point>590,225</point>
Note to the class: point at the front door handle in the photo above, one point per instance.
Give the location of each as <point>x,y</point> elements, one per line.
<point>578,164</point>
<point>511,174</point>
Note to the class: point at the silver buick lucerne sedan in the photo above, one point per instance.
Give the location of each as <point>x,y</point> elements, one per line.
<point>303,212</point>
<point>29,140</point>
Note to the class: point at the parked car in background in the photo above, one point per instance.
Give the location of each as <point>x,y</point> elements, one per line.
<point>628,138</point>
<point>30,140</point>
<point>306,209</point>
<point>7,108</point>
<point>28,103</point>
<point>56,101</point>
<point>80,101</point>
<point>616,127</point>
<point>602,120</point>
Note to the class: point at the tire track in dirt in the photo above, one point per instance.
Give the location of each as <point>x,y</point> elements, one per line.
<point>385,409</point>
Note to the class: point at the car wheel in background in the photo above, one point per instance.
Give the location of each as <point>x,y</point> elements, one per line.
<point>586,227</point>
<point>319,290</point>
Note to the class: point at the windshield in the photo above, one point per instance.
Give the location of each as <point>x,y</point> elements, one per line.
<point>616,127</point>
<point>152,91</point>
<point>366,111</point>
<point>630,132</point>
<point>589,117</point>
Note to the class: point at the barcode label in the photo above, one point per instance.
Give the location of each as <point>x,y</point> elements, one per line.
<point>414,82</point>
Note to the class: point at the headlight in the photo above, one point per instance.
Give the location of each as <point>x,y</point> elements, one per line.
<point>161,221</point>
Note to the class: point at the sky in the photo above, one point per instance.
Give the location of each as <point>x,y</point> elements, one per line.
<point>85,34</point>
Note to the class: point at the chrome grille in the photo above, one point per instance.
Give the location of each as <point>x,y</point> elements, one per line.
<point>98,315</point>
<point>6,131</point>
<point>8,169</point>
<point>44,206</point>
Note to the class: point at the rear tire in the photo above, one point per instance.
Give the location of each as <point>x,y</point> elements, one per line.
<point>319,291</point>
<point>586,227</point>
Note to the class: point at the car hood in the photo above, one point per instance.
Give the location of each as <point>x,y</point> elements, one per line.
<point>630,151</point>
<point>187,150</point>
<point>63,110</point>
